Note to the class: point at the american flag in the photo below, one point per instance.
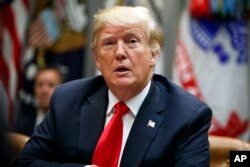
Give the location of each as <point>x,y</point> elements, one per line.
<point>13,22</point>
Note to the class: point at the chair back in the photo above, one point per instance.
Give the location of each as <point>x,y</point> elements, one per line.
<point>220,148</point>
<point>16,142</point>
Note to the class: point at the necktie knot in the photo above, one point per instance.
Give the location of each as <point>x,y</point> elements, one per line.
<point>121,108</point>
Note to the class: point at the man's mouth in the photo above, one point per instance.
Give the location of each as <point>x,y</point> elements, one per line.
<point>121,69</point>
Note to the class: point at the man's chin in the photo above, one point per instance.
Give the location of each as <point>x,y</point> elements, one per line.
<point>124,82</point>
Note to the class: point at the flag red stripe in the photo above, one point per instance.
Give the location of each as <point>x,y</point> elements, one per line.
<point>26,4</point>
<point>11,27</point>
<point>4,72</point>
<point>8,21</point>
<point>4,76</point>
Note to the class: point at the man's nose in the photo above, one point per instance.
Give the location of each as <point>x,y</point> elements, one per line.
<point>120,50</point>
<point>45,88</point>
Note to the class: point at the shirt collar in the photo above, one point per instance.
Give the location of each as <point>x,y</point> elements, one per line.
<point>134,103</point>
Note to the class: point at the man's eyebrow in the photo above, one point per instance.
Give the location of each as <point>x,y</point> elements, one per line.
<point>106,37</point>
<point>133,32</point>
<point>137,33</point>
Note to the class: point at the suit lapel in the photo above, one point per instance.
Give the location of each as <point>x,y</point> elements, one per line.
<point>144,129</point>
<point>93,114</point>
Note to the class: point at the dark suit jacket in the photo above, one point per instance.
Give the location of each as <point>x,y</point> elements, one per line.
<point>68,135</point>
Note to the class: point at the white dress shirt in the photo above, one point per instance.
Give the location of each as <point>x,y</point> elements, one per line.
<point>40,115</point>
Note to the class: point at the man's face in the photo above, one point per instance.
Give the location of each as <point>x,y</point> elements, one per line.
<point>124,57</point>
<point>45,84</point>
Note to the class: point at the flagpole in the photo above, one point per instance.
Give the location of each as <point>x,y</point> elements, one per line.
<point>170,16</point>
<point>88,61</point>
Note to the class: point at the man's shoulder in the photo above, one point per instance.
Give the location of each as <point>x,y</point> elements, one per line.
<point>177,93</point>
<point>87,84</point>
<point>88,81</point>
<point>181,101</point>
<point>167,85</point>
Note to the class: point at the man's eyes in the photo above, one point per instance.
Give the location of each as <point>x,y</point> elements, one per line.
<point>108,43</point>
<point>133,40</point>
<point>127,41</point>
<point>133,43</point>
<point>130,42</point>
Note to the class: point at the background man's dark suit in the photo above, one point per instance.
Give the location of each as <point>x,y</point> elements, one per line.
<point>5,153</point>
<point>71,130</point>
<point>26,121</point>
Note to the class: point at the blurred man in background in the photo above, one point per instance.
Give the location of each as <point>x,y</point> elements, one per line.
<point>45,82</point>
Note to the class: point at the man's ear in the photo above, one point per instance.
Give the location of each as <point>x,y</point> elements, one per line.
<point>154,56</point>
<point>96,58</point>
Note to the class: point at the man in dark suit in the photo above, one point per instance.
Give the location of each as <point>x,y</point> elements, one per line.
<point>163,125</point>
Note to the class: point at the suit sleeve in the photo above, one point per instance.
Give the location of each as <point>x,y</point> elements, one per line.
<point>38,151</point>
<point>193,145</point>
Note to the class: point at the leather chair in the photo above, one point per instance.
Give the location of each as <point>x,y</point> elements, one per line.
<point>16,143</point>
<point>220,148</point>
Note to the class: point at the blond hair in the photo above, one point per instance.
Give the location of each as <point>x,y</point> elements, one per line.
<point>127,16</point>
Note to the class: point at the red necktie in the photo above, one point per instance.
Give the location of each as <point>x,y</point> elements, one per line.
<point>108,148</point>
